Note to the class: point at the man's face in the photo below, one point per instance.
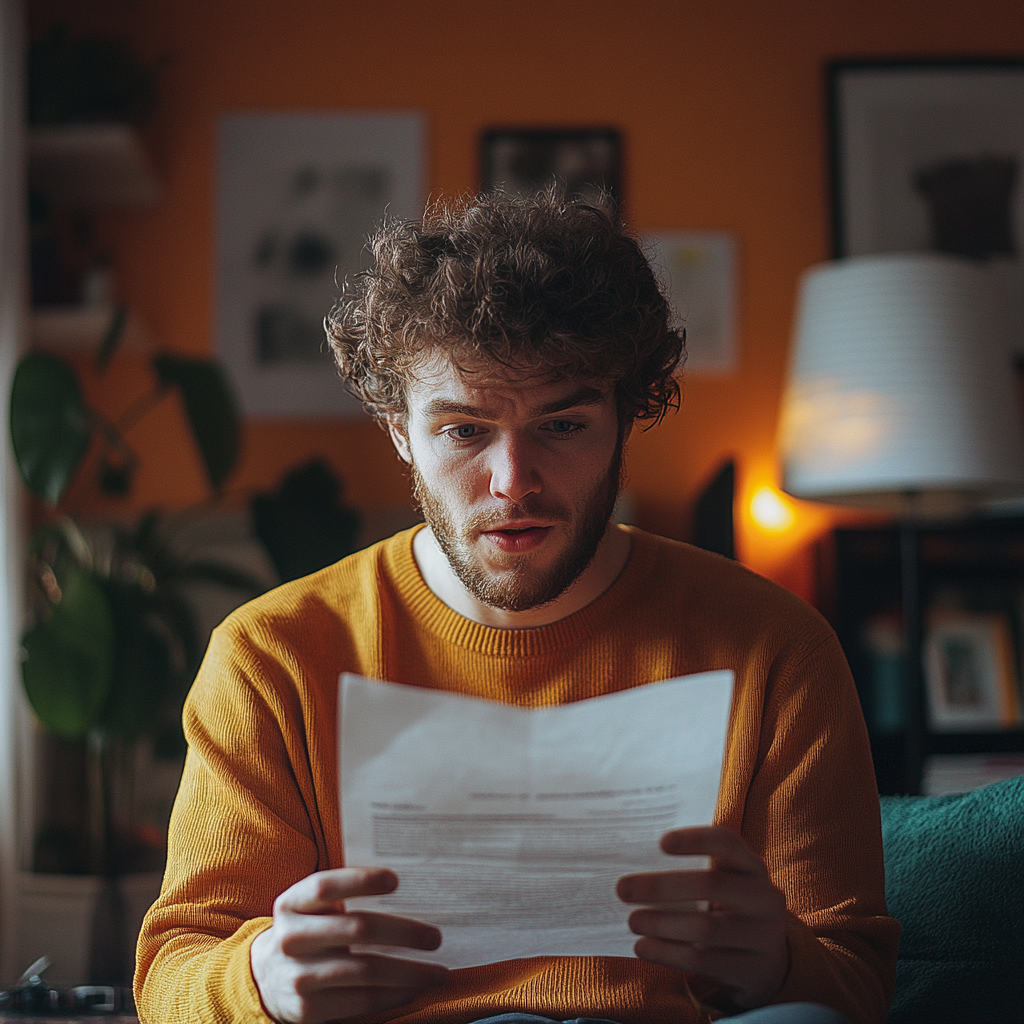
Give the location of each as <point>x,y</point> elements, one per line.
<point>516,479</point>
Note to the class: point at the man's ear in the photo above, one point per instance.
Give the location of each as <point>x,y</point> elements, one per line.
<point>396,430</point>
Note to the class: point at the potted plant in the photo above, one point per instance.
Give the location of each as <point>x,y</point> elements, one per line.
<point>112,644</point>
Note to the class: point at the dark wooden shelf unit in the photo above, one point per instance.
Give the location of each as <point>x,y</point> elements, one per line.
<point>975,565</point>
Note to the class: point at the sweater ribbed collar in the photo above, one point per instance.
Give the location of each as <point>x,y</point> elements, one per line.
<point>433,616</point>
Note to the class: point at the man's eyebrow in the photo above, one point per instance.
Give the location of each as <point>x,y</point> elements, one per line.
<point>446,406</point>
<point>586,395</point>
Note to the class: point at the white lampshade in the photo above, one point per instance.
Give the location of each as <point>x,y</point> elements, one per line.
<point>901,385</point>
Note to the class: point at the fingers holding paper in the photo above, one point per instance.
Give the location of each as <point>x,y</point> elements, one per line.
<point>727,922</point>
<point>304,968</point>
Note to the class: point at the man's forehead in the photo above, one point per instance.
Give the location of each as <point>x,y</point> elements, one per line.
<point>440,384</point>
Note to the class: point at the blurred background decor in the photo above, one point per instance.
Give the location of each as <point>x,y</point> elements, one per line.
<point>926,157</point>
<point>113,643</point>
<point>586,161</point>
<point>298,196</point>
<point>929,155</point>
<point>901,397</point>
<point>305,525</point>
<point>87,97</point>
<point>698,271</point>
<point>970,672</point>
<point>88,79</point>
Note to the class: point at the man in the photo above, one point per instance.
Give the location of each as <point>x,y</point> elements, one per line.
<point>509,346</point>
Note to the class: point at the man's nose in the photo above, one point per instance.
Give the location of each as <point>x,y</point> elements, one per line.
<point>514,473</point>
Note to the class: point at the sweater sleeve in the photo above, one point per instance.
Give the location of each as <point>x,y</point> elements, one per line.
<point>812,814</point>
<point>240,834</point>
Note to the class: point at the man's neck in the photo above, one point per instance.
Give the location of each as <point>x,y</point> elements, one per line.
<point>608,562</point>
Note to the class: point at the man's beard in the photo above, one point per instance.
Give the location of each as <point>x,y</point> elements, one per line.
<point>515,587</point>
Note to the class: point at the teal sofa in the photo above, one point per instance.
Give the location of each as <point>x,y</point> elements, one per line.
<point>955,881</point>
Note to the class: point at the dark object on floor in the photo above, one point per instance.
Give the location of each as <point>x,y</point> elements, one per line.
<point>953,880</point>
<point>32,997</point>
<point>712,515</point>
<point>305,526</point>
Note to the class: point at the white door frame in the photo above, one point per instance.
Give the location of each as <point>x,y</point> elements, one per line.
<point>13,302</point>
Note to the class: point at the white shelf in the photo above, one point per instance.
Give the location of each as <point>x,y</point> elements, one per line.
<point>91,165</point>
<point>963,773</point>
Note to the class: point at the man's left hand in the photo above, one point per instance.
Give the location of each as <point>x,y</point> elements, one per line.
<point>739,941</point>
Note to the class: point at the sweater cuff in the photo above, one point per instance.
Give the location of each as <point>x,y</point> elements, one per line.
<point>801,984</point>
<point>241,993</point>
<point>811,977</point>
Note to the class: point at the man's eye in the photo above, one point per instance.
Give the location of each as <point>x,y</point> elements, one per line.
<point>463,432</point>
<point>563,426</point>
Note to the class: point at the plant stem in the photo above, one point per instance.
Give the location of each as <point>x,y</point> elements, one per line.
<point>113,438</point>
<point>98,799</point>
<point>139,408</point>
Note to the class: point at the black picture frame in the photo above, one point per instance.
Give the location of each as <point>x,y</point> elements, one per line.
<point>929,155</point>
<point>587,161</point>
<point>871,103</point>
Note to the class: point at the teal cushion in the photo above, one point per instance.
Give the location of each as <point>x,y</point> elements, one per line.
<point>954,868</point>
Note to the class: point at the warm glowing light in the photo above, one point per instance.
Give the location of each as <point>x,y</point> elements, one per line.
<point>770,511</point>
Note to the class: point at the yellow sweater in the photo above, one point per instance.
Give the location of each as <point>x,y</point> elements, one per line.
<point>258,804</point>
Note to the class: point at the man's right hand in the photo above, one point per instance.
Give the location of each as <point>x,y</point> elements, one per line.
<point>302,965</point>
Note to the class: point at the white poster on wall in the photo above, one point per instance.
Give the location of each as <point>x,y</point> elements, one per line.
<point>299,194</point>
<point>698,270</point>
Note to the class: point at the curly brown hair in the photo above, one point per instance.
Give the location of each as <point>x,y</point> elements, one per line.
<point>548,286</point>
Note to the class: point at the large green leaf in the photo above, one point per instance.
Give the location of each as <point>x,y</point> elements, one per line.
<point>211,409</point>
<point>69,658</point>
<point>50,427</point>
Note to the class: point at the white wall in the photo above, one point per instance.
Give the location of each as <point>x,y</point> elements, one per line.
<point>12,322</point>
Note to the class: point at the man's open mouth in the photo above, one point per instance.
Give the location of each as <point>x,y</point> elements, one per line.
<point>517,538</point>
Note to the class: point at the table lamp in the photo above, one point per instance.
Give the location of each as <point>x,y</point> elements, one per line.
<point>900,397</point>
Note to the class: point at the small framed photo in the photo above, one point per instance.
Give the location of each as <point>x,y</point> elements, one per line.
<point>970,672</point>
<point>929,155</point>
<point>587,161</point>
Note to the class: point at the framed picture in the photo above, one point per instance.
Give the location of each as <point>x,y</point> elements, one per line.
<point>298,196</point>
<point>584,160</point>
<point>698,270</point>
<point>929,155</point>
<point>970,672</point>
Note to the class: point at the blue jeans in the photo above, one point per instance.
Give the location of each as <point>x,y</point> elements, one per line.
<point>784,1013</point>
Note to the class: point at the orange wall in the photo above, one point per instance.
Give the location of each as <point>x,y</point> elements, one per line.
<point>720,103</point>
